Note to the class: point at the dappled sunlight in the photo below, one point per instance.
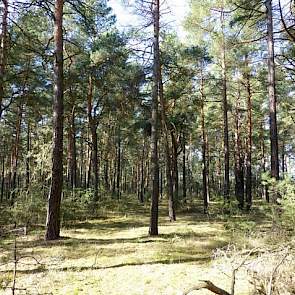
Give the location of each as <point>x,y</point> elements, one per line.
<point>116,251</point>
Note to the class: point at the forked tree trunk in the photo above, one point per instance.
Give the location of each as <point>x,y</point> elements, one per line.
<point>153,229</point>
<point>54,200</point>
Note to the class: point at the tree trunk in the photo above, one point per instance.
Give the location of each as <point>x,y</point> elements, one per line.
<point>2,178</point>
<point>118,187</point>
<point>284,166</point>
<point>15,153</point>
<point>184,189</point>
<point>204,151</point>
<point>225,115</point>
<point>72,157</point>
<point>54,200</point>
<point>169,168</point>
<point>141,196</point>
<point>175,165</point>
<point>265,188</point>
<point>153,229</point>
<point>3,53</point>
<point>249,143</point>
<point>239,159</point>
<point>94,150</point>
<point>272,94</point>
<point>28,154</point>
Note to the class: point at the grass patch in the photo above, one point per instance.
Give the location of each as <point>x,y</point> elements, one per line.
<point>112,253</point>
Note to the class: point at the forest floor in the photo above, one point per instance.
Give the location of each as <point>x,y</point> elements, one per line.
<point>113,254</point>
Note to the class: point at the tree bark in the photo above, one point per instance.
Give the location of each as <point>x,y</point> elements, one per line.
<point>54,200</point>
<point>272,94</point>
<point>153,229</point>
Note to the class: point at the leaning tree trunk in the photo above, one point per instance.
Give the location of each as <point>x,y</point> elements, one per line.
<point>272,94</point>
<point>54,200</point>
<point>153,229</point>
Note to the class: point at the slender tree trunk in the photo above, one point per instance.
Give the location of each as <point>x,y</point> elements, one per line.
<point>15,153</point>
<point>141,197</point>
<point>169,168</point>
<point>119,168</point>
<point>175,164</point>
<point>2,179</point>
<point>72,152</point>
<point>272,94</point>
<point>94,150</point>
<point>284,166</point>
<point>184,189</point>
<point>263,160</point>
<point>54,200</point>
<point>28,154</point>
<point>153,230</point>
<point>239,158</point>
<point>3,53</point>
<point>226,184</point>
<point>204,151</point>
<point>106,173</point>
<point>249,143</point>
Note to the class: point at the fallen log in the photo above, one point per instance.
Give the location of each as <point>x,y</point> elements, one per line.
<point>209,286</point>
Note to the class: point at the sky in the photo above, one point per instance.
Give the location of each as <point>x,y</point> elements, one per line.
<point>178,10</point>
